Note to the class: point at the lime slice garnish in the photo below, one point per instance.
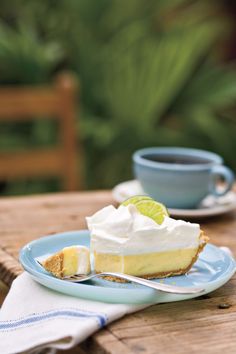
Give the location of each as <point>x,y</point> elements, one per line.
<point>134,200</point>
<point>153,210</point>
<point>148,207</point>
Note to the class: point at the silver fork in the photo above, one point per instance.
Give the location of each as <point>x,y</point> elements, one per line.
<point>151,284</point>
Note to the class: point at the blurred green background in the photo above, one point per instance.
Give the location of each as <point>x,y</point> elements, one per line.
<point>151,73</point>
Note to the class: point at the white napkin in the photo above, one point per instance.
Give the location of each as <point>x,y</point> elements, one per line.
<point>34,317</point>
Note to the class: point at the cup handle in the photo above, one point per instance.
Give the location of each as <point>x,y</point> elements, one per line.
<point>228,177</point>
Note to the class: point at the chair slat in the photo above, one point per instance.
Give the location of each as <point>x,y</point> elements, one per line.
<point>56,101</point>
<point>31,164</point>
<point>18,104</point>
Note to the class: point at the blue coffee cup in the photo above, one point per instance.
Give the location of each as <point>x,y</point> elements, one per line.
<point>181,177</point>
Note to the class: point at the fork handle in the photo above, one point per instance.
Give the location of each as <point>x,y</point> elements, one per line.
<point>154,285</point>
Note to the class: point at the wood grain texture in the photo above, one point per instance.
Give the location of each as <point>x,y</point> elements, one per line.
<point>186,327</point>
<point>3,292</point>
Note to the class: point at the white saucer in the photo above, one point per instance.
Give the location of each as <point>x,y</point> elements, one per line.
<point>210,206</point>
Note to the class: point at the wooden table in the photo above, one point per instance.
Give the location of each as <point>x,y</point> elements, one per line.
<point>192,326</point>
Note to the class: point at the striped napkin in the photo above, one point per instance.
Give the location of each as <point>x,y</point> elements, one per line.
<point>34,317</point>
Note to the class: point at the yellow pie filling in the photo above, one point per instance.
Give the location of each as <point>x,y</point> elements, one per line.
<point>158,263</point>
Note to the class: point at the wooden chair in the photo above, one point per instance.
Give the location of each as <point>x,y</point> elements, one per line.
<point>32,102</point>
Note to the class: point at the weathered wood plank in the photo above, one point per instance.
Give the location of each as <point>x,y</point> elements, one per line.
<point>3,292</point>
<point>36,216</point>
<point>186,327</point>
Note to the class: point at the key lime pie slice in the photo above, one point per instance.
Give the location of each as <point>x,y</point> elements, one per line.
<point>69,261</point>
<point>139,238</point>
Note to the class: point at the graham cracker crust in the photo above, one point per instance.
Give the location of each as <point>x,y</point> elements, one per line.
<point>54,264</point>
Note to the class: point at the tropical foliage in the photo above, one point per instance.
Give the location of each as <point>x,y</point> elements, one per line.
<point>149,72</point>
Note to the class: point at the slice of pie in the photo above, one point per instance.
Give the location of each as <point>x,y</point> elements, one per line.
<point>126,241</point>
<point>68,261</point>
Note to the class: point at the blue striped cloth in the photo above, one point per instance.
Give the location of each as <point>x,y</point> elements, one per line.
<point>34,317</point>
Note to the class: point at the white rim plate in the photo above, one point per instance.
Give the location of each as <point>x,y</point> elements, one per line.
<point>217,206</point>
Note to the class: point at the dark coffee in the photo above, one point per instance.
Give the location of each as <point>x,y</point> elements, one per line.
<point>177,159</point>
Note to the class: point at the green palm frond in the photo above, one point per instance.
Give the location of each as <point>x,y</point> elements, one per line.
<point>24,57</point>
<point>146,72</point>
<point>141,78</point>
<point>211,87</point>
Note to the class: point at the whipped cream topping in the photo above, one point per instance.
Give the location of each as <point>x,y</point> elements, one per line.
<point>125,231</point>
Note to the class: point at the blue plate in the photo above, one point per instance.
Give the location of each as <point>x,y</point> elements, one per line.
<point>213,269</point>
